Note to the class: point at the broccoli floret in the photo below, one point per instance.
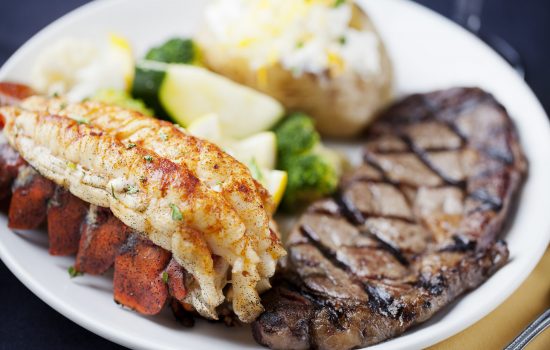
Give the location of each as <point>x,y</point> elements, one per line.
<point>312,169</point>
<point>174,51</point>
<point>146,86</point>
<point>310,177</point>
<point>122,99</point>
<point>296,134</point>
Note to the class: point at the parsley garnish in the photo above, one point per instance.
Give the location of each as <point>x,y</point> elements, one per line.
<point>176,213</point>
<point>130,189</point>
<point>342,40</point>
<point>82,121</point>
<point>130,145</point>
<point>73,272</point>
<point>148,159</point>
<point>165,277</point>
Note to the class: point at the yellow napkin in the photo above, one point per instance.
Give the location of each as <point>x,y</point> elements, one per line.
<point>501,326</point>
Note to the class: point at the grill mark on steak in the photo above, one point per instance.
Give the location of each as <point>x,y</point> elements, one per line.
<point>491,202</point>
<point>388,245</point>
<point>359,216</point>
<point>350,211</point>
<point>423,156</point>
<point>327,253</point>
<point>460,244</point>
<point>362,267</point>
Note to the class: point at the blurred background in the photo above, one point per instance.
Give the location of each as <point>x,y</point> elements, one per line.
<point>518,28</point>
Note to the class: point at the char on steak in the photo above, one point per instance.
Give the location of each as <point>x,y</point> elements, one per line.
<point>410,230</point>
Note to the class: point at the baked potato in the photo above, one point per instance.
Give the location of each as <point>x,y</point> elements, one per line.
<point>341,98</point>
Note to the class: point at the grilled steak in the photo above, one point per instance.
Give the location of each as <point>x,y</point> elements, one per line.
<point>411,229</point>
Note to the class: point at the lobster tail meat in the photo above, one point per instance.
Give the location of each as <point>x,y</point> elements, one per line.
<point>140,176</point>
<point>218,171</point>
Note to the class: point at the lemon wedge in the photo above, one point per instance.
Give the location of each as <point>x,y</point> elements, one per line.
<point>207,127</point>
<point>121,50</point>
<point>275,182</point>
<point>262,147</point>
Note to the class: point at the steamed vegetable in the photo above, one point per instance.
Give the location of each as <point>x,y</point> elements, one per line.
<point>147,80</point>
<point>296,135</point>
<point>149,77</point>
<point>122,99</point>
<point>78,68</point>
<point>187,93</point>
<point>313,170</point>
<point>175,50</point>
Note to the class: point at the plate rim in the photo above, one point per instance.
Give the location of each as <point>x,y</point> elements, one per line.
<point>81,319</point>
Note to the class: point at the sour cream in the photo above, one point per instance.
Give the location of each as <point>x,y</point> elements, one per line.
<point>304,36</point>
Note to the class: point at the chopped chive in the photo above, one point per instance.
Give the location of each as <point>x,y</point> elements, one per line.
<point>82,121</point>
<point>339,3</point>
<point>256,171</point>
<point>299,44</point>
<point>113,191</point>
<point>130,189</point>
<point>165,277</point>
<point>176,213</point>
<point>130,145</point>
<point>71,165</point>
<point>73,272</point>
<point>342,40</point>
<point>148,158</point>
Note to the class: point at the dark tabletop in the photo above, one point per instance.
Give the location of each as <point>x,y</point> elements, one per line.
<point>28,323</point>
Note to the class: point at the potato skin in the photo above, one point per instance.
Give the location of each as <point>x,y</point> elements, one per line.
<point>343,105</point>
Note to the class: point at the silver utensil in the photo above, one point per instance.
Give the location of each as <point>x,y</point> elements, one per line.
<point>529,333</point>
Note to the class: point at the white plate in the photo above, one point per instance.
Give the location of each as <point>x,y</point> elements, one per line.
<point>428,51</point>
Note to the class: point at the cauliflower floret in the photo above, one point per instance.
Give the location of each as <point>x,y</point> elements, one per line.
<point>78,68</point>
